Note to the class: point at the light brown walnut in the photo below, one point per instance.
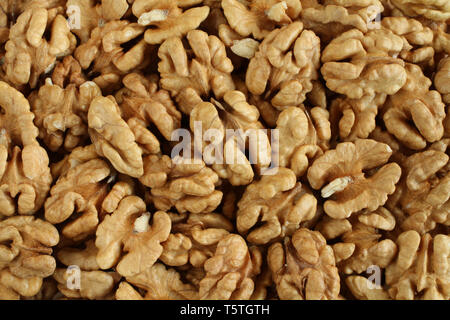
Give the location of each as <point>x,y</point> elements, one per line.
<point>170,18</point>
<point>205,72</point>
<point>415,114</point>
<point>185,185</point>
<point>258,17</point>
<point>127,241</point>
<point>421,268</point>
<point>159,283</point>
<point>230,272</point>
<point>341,174</point>
<point>284,66</point>
<point>303,267</point>
<point>274,207</point>
<point>28,52</point>
<point>24,173</point>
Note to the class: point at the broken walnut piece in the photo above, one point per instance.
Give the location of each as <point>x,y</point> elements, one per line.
<point>432,9</point>
<point>355,118</point>
<point>126,240</point>
<point>421,269</point>
<point>258,17</point>
<point>86,15</point>
<point>225,151</point>
<point>442,79</point>
<point>26,246</point>
<point>415,114</point>
<point>340,173</point>
<point>303,267</point>
<point>205,72</point>
<point>28,53</point>
<point>113,138</point>
<point>194,240</point>
<point>159,283</point>
<point>334,17</point>
<point>424,190</point>
<point>24,173</point>
<point>185,184</point>
<point>284,66</point>
<point>61,113</point>
<point>274,207</point>
<point>303,136</point>
<point>85,190</point>
<point>92,285</point>
<point>112,51</point>
<point>142,99</point>
<point>230,272</point>
<point>171,18</point>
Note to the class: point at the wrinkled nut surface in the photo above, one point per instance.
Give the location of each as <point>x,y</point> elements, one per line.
<point>24,175</point>
<point>26,244</point>
<point>159,283</point>
<point>224,149</point>
<point>274,207</point>
<point>172,18</point>
<point>230,271</point>
<point>259,17</point>
<point>421,267</point>
<point>28,53</point>
<point>187,186</point>
<point>340,176</point>
<point>423,193</point>
<point>284,66</point>
<point>113,138</point>
<point>188,80</point>
<point>127,230</point>
<point>303,267</point>
<point>61,113</point>
<point>416,103</point>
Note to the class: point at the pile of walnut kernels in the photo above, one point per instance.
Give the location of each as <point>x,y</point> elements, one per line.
<point>91,92</point>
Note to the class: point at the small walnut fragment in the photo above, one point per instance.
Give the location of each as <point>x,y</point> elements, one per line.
<point>24,173</point>
<point>113,138</point>
<point>415,103</point>
<point>230,272</point>
<point>258,17</point>
<point>127,230</point>
<point>171,18</point>
<point>207,73</point>
<point>28,53</point>
<point>159,283</point>
<point>340,174</point>
<point>179,183</point>
<point>421,269</point>
<point>283,68</point>
<point>274,207</point>
<point>303,267</point>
